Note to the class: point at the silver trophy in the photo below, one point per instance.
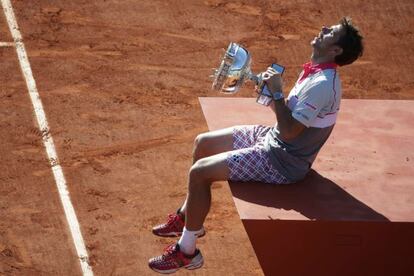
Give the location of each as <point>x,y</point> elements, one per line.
<point>234,70</point>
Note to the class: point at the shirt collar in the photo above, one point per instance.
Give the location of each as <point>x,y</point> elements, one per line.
<point>311,68</point>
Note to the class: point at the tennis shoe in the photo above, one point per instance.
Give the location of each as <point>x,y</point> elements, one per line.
<point>173,227</point>
<point>173,259</point>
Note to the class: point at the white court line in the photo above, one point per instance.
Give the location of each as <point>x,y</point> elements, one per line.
<point>6,44</point>
<point>47,139</point>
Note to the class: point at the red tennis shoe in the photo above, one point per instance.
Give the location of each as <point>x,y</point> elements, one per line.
<point>173,227</point>
<point>173,259</point>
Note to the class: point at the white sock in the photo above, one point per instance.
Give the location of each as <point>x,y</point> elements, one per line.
<point>187,241</point>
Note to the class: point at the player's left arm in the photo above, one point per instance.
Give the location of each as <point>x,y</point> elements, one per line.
<point>289,127</point>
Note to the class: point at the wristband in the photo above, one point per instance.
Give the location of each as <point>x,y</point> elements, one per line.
<point>278,96</point>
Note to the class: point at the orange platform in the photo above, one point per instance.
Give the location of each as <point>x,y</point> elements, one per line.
<point>354,212</point>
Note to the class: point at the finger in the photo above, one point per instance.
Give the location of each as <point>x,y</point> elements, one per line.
<point>266,76</point>
<point>273,70</point>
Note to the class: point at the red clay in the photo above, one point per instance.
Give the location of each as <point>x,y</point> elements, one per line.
<point>120,82</point>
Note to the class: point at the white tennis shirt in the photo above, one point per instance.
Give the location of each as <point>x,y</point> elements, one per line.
<point>314,102</point>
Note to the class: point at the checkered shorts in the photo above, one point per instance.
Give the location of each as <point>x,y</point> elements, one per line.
<point>249,160</point>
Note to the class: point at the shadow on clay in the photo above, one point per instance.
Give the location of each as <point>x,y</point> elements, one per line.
<point>315,197</point>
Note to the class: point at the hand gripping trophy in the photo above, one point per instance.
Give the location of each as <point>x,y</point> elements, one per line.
<point>235,69</point>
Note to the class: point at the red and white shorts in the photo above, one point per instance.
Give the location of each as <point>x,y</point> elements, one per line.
<point>249,161</point>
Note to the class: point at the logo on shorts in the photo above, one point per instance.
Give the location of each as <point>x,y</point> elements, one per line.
<point>236,158</point>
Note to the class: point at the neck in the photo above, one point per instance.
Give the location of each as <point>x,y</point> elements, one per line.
<point>319,59</point>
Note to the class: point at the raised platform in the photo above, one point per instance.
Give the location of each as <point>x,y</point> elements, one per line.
<point>354,212</point>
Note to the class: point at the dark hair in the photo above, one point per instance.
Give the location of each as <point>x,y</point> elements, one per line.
<point>350,42</point>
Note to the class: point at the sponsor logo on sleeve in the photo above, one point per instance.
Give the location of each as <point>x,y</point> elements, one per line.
<point>310,106</point>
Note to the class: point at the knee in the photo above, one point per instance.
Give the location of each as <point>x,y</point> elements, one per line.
<point>200,146</point>
<point>199,172</point>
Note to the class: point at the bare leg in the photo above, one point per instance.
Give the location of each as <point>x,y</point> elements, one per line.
<point>213,142</point>
<point>208,144</point>
<point>202,174</point>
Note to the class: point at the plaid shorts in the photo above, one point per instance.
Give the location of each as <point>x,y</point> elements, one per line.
<point>249,160</point>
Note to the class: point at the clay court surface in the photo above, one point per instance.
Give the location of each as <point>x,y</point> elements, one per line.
<point>120,81</point>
